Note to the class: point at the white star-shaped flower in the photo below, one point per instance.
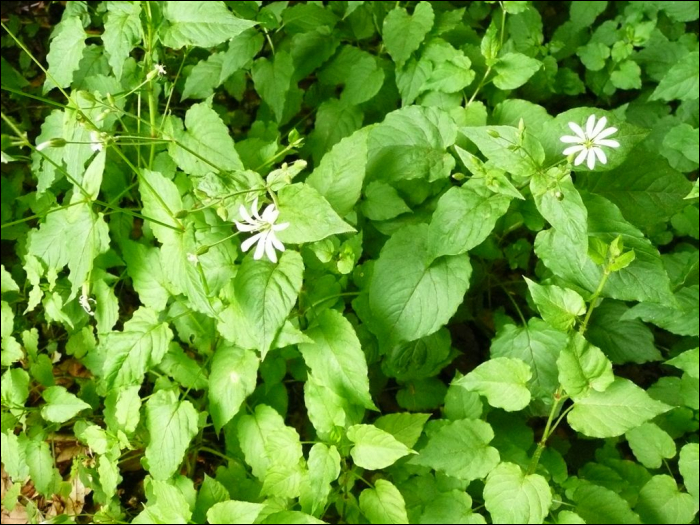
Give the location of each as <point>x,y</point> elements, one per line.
<point>588,144</point>
<point>265,226</point>
<point>159,69</point>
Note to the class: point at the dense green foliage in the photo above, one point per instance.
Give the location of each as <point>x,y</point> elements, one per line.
<point>307,262</point>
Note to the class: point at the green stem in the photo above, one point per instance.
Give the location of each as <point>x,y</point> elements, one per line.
<point>548,429</point>
<point>594,300</point>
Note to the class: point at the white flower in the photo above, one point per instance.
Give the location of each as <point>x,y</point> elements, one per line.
<point>266,228</point>
<point>192,257</point>
<point>97,142</point>
<point>160,69</point>
<point>86,302</point>
<point>589,142</point>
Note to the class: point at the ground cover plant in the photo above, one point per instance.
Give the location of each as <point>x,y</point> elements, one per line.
<point>350,262</point>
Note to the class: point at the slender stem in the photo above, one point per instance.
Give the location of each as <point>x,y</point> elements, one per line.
<point>25,219</point>
<point>559,397</point>
<point>594,300</point>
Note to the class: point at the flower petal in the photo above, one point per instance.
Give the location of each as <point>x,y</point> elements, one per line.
<point>577,129</point>
<point>245,245</point>
<point>270,214</point>
<point>598,127</point>
<point>245,227</point>
<point>606,133</point>
<point>281,226</point>
<point>607,142</point>
<point>260,249</point>
<point>254,209</point>
<point>244,213</point>
<point>570,139</point>
<point>601,155</point>
<point>270,249</point>
<point>591,159</point>
<point>573,149</point>
<point>276,242</point>
<point>590,126</point>
<point>581,157</point>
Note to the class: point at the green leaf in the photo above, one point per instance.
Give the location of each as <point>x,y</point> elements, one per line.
<point>135,350</point>
<point>375,449</point>
<point>403,33</point>
<point>65,53</point>
<point>681,81</point>
<point>336,358</point>
<point>200,24</point>
<point>122,409</point>
<point>72,236</point>
<point>8,283</point>
<point>651,445</point>
<point>272,450</point>
<point>209,74</point>
<point>61,405</point>
<point>688,465</point>
<point>234,374</point>
<point>558,306</point>
<point>645,188</point>
<point>171,423</point>
<point>410,297</point>
<point>538,345</point>
<point>450,71</point>
<point>339,176</point>
<point>582,367</point>
<point>622,407</point>
<point>511,496</point>
<point>265,293</point>
<point>688,362</point>
<point>464,218</point>
<point>405,427</point>
<point>335,120</point>
<point>358,71</point>
<point>418,359</point>
<point>410,144</point>
<point>502,380</point>
<point>235,512</point>
<point>660,501</point>
<point>683,139</point>
<point>593,55</point>
<point>383,504</point>
<point>628,75</point>
<point>209,140</point>
<point>597,504</point>
<point>309,215</point>
<point>454,506</point>
<point>680,318</point>
<point>583,14</point>
<point>122,33</point>
<point>504,148</point>
<point>324,469</point>
<point>210,493</point>
<point>288,517</point>
<point>514,69</point>
<point>561,205</point>
<point>274,80</point>
<point>147,274</point>
<point>382,202</point>
<point>623,341</point>
<point>14,457</point>
<point>644,279</point>
<point>41,467</point>
<point>460,449</point>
